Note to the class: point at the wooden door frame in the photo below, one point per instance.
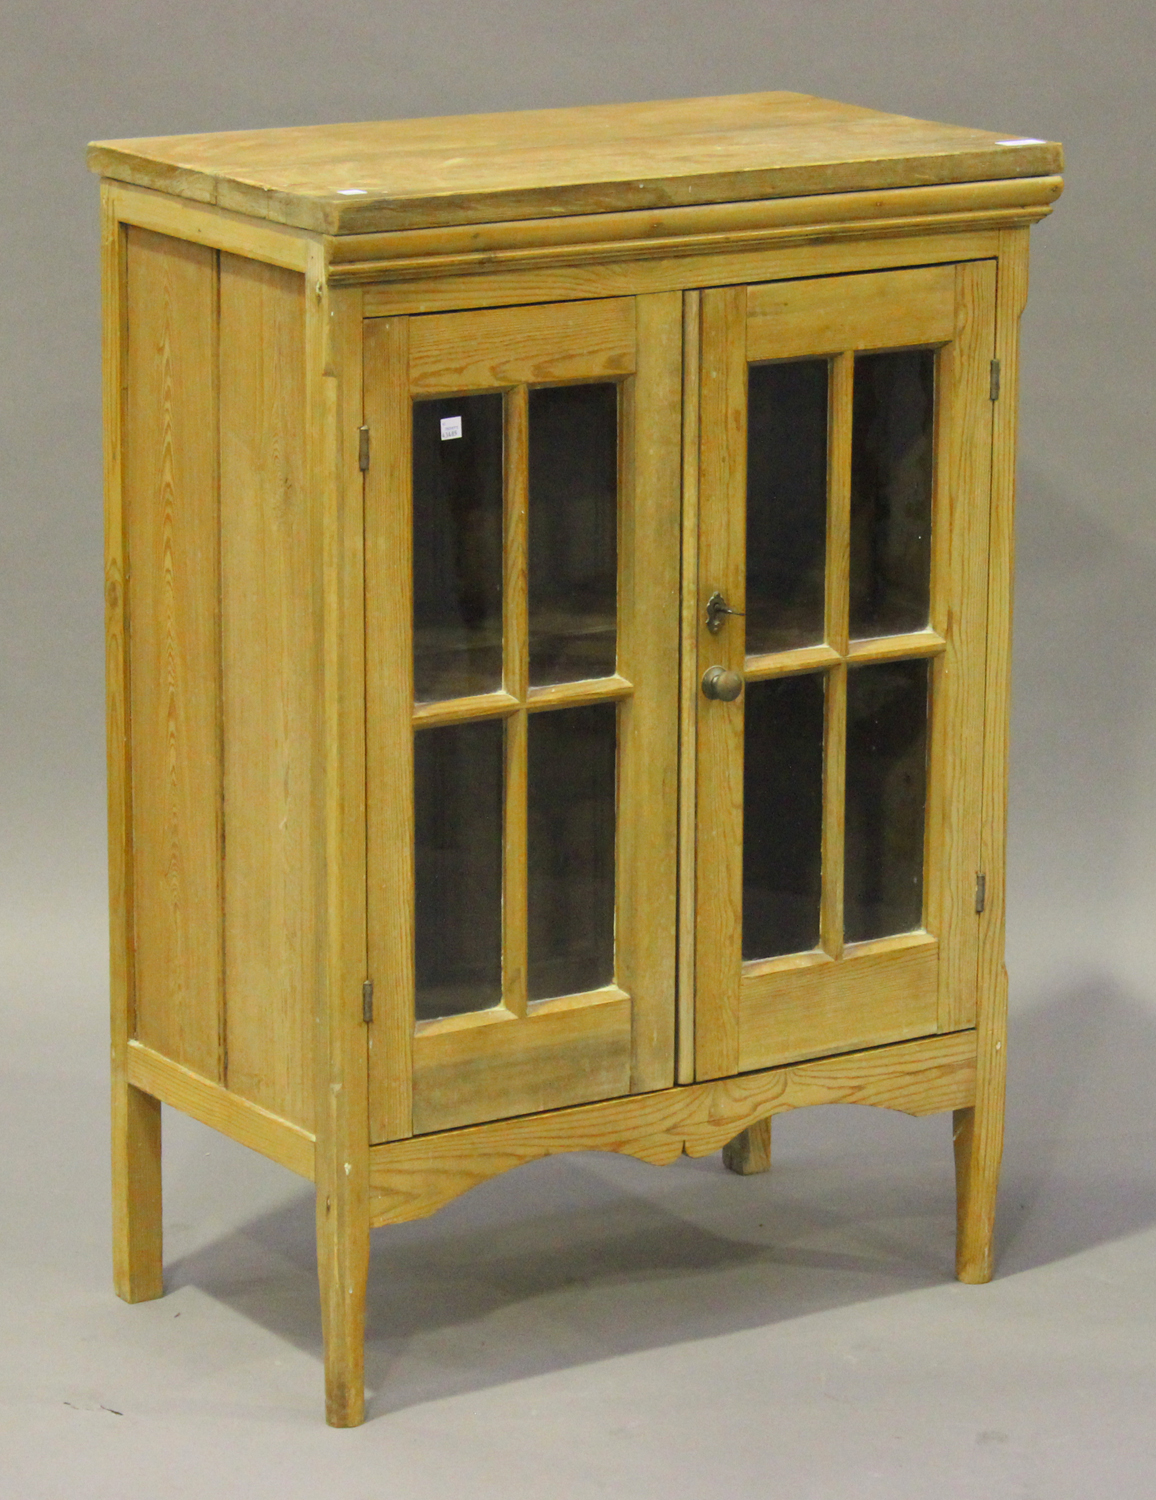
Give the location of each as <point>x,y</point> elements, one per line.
<point>959,566</point>
<point>457,1062</point>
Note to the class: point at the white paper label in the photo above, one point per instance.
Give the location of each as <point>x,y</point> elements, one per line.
<point>451,427</point>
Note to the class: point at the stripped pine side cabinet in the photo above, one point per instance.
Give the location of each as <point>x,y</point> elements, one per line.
<point>558,595</point>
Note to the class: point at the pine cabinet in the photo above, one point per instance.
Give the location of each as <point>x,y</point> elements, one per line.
<point>558,594</point>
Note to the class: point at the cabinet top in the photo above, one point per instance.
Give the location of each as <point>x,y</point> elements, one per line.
<point>471,169</point>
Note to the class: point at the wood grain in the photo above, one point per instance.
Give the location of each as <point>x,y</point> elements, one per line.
<point>978,1139</point>
<point>783,255</point>
<point>563,1052</point>
<point>790,663</point>
<point>916,643</point>
<point>750,1151</point>
<point>170,482</point>
<point>719,778</point>
<point>200,224</point>
<point>333,402</point>
<point>159,1080</point>
<point>410,173</point>
<point>1011,298</point>
<point>114,342</point>
<point>271,670</point>
<point>979,1131</point>
<point>410,1179</point>
<point>515,677</point>
<point>137,1238</point>
<point>688,687</point>
<point>834,800</point>
<point>389,704</point>
<point>137,1213</point>
<point>836,615</point>
<point>647,843</point>
<point>574,694</point>
<point>515,875</point>
<point>692,230</point>
<point>837,560</point>
<point>845,313</point>
<point>876,993</point>
<point>959,611</point>
<point>507,346</point>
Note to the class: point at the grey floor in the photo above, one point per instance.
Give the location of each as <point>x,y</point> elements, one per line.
<point>591,1325</point>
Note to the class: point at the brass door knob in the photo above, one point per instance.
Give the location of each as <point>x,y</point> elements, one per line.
<point>718,683</point>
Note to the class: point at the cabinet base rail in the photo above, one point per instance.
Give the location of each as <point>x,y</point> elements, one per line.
<point>411,1178</point>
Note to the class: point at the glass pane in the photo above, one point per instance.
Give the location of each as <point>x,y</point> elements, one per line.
<point>457,546</point>
<point>782,816</point>
<point>458,875</point>
<point>572,782</point>
<point>886,799</point>
<point>573,532</point>
<point>891,454</point>
<point>786,504</point>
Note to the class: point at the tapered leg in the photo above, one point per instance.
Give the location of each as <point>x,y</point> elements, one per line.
<point>342,1266</point>
<point>137,1246</point>
<point>750,1151</point>
<point>979,1146</point>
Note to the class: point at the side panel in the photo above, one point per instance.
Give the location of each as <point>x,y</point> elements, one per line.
<point>224,641</point>
<point>271,673</point>
<point>172,565</point>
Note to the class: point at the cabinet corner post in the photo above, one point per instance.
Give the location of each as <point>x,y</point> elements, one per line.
<point>979,1130</point>
<point>136,1117</point>
<point>332,399</point>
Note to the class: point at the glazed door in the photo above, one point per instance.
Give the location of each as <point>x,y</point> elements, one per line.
<point>844,485</point>
<point>522,564</point>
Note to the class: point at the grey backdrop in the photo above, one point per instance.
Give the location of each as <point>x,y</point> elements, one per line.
<point>1031,1386</point>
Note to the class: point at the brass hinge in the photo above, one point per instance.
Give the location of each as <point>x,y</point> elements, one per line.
<point>367,1001</point>
<point>363,448</point>
<point>980,893</point>
<point>994,392</point>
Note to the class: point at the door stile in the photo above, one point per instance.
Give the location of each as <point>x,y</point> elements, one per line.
<point>688,686</point>
<point>333,399</point>
<point>838,560</point>
<point>836,615</point>
<point>389,708</point>
<point>515,680</point>
<point>1011,298</point>
<point>719,783</point>
<point>647,894</point>
<point>958,675</point>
